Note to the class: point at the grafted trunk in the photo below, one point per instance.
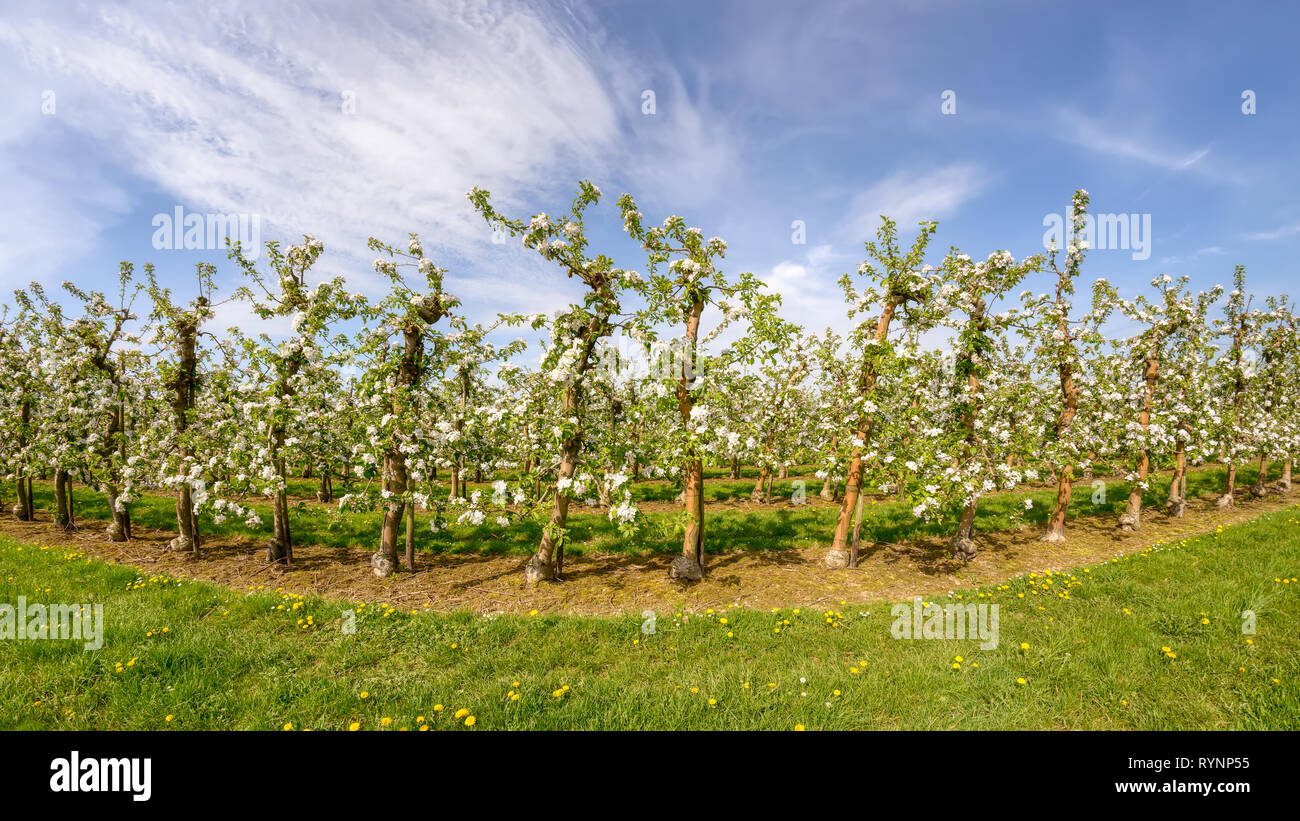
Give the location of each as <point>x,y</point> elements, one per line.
<point>963,541</point>
<point>759,494</point>
<point>23,509</point>
<point>1064,493</point>
<point>1229,497</point>
<point>828,489</point>
<point>1259,488</point>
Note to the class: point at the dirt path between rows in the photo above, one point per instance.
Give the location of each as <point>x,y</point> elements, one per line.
<point>605,584</point>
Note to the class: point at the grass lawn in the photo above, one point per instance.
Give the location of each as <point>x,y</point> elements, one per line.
<point>210,657</point>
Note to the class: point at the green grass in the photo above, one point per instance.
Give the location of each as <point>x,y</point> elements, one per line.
<point>777,527</point>
<point>234,659</point>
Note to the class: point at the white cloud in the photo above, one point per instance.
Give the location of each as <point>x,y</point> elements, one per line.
<point>909,197</point>
<point>238,109</point>
<point>1093,134</point>
<point>1278,233</point>
<point>1199,254</point>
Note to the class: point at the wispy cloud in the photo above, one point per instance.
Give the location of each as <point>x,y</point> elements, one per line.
<point>1117,140</point>
<point>245,111</point>
<point>908,197</point>
<point>1195,256</point>
<point>1279,233</point>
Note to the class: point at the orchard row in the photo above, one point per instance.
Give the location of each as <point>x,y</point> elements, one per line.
<point>953,381</point>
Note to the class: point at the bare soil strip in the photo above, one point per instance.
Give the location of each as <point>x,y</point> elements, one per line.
<point>610,584</point>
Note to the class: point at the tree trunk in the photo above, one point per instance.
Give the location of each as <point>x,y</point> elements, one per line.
<point>689,566</point>
<point>1131,520</point>
<point>854,552</point>
<point>541,567</point>
<point>1069,407</point>
<point>838,555</point>
<point>410,537</point>
<point>62,503</point>
<point>1177,504</point>
<point>183,389</point>
<point>963,541</point>
<point>23,509</point>
<point>1064,492</point>
<point>1259,488</point>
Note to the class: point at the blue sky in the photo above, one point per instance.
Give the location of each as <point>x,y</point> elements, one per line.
<point>765,113</point>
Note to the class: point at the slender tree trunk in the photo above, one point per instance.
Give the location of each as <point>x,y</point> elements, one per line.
<point>828,486</point>
<point>1131,520</point>
<point>281,547</point>
<point>689,566</point>
<point>24,509</point>
<point>1064,422</point>
<point>838,555</point>
<point>410,537</point>
<point>854,552</point>
<point>1229,497</point>
<point>183,390</point>
<point>963,541</point>
<point>384,562</point>
<point>62,508</point>
<point>541,567</point>
<point>396,479</point>
<point>1177,504</point>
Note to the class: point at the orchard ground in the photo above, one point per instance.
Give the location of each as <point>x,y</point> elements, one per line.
<point>1084,629</point>
<point>759,555</point>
